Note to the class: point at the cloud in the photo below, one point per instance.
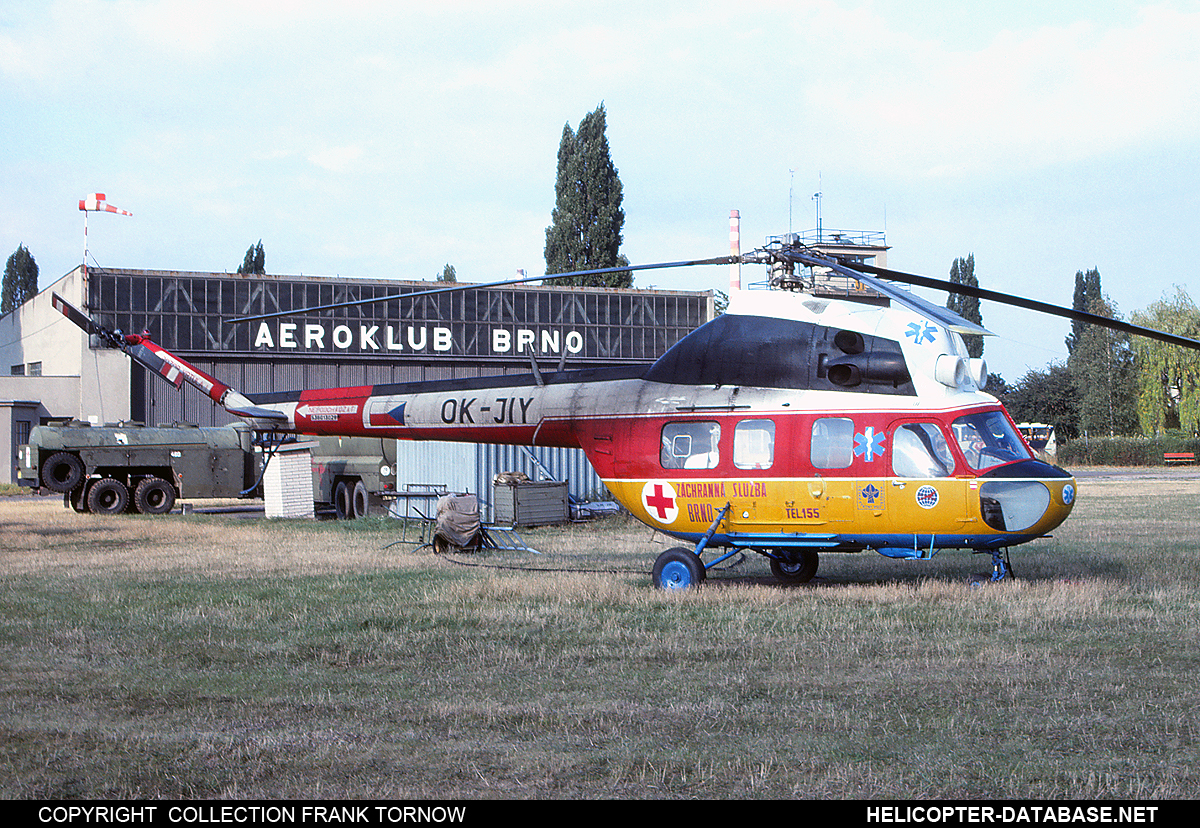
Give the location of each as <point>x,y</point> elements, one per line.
<point>336,159</point>
<point>1025,100</point>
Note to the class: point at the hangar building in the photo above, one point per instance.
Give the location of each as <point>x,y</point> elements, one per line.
<point>49,369</point>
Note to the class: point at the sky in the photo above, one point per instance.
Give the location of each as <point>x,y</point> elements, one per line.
<point>387,139</point>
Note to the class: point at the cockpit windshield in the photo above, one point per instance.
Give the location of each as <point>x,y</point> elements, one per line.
<point>987,439</point>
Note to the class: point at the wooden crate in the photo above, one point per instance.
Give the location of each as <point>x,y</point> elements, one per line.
<point>530,503</point>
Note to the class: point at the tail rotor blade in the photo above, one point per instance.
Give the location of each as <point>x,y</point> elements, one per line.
<point>74,314</point>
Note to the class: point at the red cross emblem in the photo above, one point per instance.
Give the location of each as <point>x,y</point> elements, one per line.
<point>659,499</point>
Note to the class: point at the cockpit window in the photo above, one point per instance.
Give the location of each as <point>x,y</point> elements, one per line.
<point>988,439</point>
<point>919,450</point>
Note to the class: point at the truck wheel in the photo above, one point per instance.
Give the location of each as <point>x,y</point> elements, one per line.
<point>154,496</point>
<point>107,497</point>
<point>350,499</point>
<point>358,501</point>
<point>62,472</point>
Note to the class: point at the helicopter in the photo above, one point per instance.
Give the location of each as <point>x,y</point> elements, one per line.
<point>793,425</point>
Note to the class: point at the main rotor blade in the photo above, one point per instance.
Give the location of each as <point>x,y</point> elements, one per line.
<point>1028,304</point>
<point>464,287</point>
<point>941,315</point>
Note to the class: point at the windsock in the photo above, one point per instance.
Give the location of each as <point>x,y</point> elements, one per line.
<point>96,203</point>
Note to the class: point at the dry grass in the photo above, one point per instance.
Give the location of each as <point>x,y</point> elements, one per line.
<point>224,657</point>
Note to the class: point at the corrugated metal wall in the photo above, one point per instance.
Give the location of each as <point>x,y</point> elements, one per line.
<point>471,467</point>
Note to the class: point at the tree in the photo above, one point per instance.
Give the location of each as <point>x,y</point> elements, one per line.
<point>998,387</point>
<point>448,274</point>
<point>1168,376</point>
<point>1048,396</point>
<point>255,262</point>
<point>962,272</point>
<point>1102,367</point>
<point>1087,291</point>
<point>587,220</point>
<point>20,280</point>
<point>720,302</point>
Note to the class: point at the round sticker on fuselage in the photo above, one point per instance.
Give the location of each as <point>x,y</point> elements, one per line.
<point>927,497</point>
<point>1068,494</point>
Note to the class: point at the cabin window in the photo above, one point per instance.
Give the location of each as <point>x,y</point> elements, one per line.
<point>920,450</point>
<point>690,445</point>
<point>832,443</point>
<point>754,444</point>
<point>987,439</point>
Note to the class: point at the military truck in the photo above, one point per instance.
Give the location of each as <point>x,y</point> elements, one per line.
<point>129,467</point>
<point>351,474</point>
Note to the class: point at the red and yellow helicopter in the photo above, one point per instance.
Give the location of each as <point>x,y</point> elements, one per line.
<point>792,425</point>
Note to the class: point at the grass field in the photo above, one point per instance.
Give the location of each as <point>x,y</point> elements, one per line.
<point>217,656</point>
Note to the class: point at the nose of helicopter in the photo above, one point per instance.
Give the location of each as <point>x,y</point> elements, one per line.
<point>1032,497</point>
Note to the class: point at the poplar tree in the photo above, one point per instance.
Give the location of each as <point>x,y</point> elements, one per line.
<point>587,220</point>
<point>255,261</point>
<point>20,280</point>
<point>1087,291</point>
<point>962,272</point>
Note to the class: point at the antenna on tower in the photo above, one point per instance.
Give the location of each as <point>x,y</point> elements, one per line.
<point>791,189</point>
<point>817,198</point>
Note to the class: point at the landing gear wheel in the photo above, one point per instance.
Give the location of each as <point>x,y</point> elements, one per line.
<point>62,472</point>
<point>800,571</point>
<point>154,496</point>
<point>678,568</point>
<point>107,497</point>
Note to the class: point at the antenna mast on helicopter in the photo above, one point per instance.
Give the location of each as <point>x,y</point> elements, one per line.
<point>735,250</point>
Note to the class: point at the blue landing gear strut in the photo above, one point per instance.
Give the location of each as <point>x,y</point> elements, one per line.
<point>1001,569</point>
<point>680,568</point>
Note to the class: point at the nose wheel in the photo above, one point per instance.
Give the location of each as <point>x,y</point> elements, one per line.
<point>1001,569</point>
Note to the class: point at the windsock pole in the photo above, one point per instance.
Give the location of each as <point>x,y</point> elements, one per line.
<point>95,203</point>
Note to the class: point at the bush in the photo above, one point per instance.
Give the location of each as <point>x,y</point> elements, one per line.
<point>1124,451</point>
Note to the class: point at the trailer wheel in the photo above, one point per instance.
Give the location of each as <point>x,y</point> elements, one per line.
<point>154,496</point>
<point>107,497</point>
<point>62,472</point>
